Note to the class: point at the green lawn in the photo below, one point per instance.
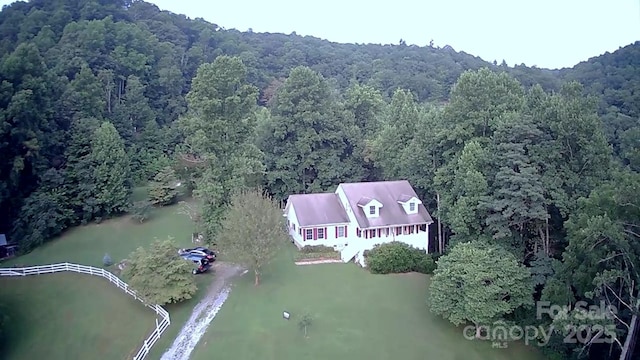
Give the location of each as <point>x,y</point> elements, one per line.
<point>356,316</point>
<point>87,245</point>
<point>118,237</point>
<point>71,316</point>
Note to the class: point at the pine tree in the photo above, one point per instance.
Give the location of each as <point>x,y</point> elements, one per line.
<point>110,171</point>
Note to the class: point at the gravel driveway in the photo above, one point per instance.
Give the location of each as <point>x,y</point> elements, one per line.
<point>203,313</point>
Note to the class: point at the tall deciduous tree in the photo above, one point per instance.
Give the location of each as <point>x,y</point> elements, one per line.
<point>159,274</point>
<point>312,143</point>
<point>600,262</point>
<point>464,186</point>
<point>396,131</point>
<point>45,213</point>
<point>110,170</point>
<point>479,283</point>
<point>366,104</point>
<point>253,230</point>
<point>218,130</point>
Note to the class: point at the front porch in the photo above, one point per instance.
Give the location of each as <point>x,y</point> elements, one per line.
<point>394,231</point>
<point>352,242</point>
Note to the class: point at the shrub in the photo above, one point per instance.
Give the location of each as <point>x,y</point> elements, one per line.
<point>323,255</point>
<point>424,263</point>
<point>398,257</point>
<point>140,210</point>
<point>317,249</point>
<point>106,260</point>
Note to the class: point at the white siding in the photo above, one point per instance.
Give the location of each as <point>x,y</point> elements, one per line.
<point>330,238</point>
<point>351,245</point>
<point>292,221</point>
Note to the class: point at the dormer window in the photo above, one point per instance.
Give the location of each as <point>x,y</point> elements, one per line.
<point>409,204</point>
<point>370,207</point>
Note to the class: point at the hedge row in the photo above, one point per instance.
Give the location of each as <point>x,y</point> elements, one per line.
<point>317,249</point>
<point>320,255</point>
<point>398,257</point>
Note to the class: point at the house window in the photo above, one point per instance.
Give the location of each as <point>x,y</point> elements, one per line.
<point>308,234</point>
<point>341,231</point>
<point>359,232</point>
<point>412,206</point>
<point>321,233</point>
<point>373,233</point>
<point>294,227</point>
<point>399,230</point>
<point>372,210</point>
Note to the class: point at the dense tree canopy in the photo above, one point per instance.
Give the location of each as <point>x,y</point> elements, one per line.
<point>97,97</point>
<point>479,283</point>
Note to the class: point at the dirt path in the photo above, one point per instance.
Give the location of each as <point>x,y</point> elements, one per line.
<point>203,313</point>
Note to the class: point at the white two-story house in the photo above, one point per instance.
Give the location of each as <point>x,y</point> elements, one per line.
<point>357,216</point>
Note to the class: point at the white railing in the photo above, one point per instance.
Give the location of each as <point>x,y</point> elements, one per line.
<point>161,325</point>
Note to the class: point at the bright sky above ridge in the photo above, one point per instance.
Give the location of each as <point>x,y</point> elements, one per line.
<point>545,33</point>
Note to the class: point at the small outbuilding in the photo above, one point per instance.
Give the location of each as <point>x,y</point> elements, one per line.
<point>6,250</point>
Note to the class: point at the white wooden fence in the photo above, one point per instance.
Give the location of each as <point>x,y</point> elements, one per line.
<point>161,325</point>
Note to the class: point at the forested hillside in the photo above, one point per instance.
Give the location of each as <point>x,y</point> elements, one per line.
<point>615,80</point>
<point>100,96</point>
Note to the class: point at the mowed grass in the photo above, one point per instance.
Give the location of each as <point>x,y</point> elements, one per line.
<point>355,315</point>
<point>87,245</point>
<point>117,237</point>
<point>71,316</point>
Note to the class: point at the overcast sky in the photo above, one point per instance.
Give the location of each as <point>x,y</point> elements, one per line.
<point>545,33</point>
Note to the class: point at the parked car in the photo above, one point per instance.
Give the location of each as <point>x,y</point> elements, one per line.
<point>202,262</point>
<point>209,254</point>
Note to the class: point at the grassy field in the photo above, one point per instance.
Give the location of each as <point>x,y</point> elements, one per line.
<point>71,316</point>
<point>48,333</point>
<point>356,315</point>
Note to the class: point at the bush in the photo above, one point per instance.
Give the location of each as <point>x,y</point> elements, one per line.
<point>425,263</point>
<point>106,260</point>
<point>398,257</point>
<point>317,249</point>
<point>141,210</point>
<point>322,255</point>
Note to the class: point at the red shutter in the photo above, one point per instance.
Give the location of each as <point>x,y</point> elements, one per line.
<point>326,235</point>
<point>345,231</point>
<point>379,232</point>
<point>315,233</point>
<point>336,232</point>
